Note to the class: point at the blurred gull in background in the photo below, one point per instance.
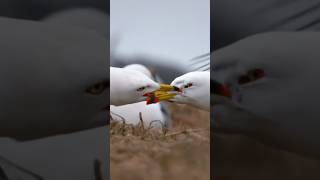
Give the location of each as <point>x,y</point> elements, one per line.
<point>48,41</point>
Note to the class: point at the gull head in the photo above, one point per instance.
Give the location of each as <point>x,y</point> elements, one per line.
<point>194,89</point>
<point>273,79</point>
<point>140,85</point>
<point>145,85</point>
<point>129,86</point>
<point>161,93</point>
<point>258,77</point>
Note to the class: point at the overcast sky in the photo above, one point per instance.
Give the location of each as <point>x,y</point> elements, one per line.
<point>178,29</point>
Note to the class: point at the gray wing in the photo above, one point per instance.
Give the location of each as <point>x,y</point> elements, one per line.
<point>160,66</point>
<point>200,63</point>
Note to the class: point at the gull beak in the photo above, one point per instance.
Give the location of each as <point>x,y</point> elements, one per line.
<point>167,87</point>
<point>220,89</point>
<point>158,96</point>
<point>162,94</point>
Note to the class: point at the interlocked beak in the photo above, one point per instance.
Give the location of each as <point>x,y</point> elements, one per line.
<point>167,87</point>
<point>162,94</point>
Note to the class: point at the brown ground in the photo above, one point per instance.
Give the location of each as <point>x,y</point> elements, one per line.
<point>182,152</point>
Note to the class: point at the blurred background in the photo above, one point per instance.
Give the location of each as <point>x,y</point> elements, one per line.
<point>163,34</point>
<point>78,155</point>
<point>177,29</point>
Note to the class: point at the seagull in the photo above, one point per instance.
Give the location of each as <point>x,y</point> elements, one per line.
<point>194,89</point>
<point>273,90</point>
<point>156,115</point>
<point>130,86</point>
<point>55,85</point>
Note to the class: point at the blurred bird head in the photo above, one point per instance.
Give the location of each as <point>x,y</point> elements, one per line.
<point>194,89</point>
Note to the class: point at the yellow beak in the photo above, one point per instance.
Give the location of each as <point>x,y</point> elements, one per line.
<point>162,94</point>
<point>167,87</point>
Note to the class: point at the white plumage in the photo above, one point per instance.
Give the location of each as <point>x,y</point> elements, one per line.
<point>153,114</point>
<point>281,108</point>
<point>195,88</point>
<point>129,86</point>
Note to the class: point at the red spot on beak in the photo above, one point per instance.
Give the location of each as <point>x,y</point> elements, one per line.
<point>152,100</point>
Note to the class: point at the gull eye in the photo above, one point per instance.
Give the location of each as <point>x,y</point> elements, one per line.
<point>252,75</point>
<point>188,85</point>
<point>141,88</point>
<point>98,88</point>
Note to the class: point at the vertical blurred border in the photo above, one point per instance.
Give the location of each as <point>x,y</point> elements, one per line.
<point>211,73</point>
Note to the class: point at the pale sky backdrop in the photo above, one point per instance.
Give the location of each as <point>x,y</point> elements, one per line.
<point>177,29</point>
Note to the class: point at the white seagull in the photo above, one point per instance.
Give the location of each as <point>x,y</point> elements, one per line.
<point>194,89</point>
<point>129,86</point>
<point>156,115</point>
<point>275,94</point>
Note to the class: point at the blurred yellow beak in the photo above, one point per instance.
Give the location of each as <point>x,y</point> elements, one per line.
<point>167,87</point>
<point>163,96</point>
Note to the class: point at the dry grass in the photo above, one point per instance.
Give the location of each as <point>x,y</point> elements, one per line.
<point>181,152</point>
